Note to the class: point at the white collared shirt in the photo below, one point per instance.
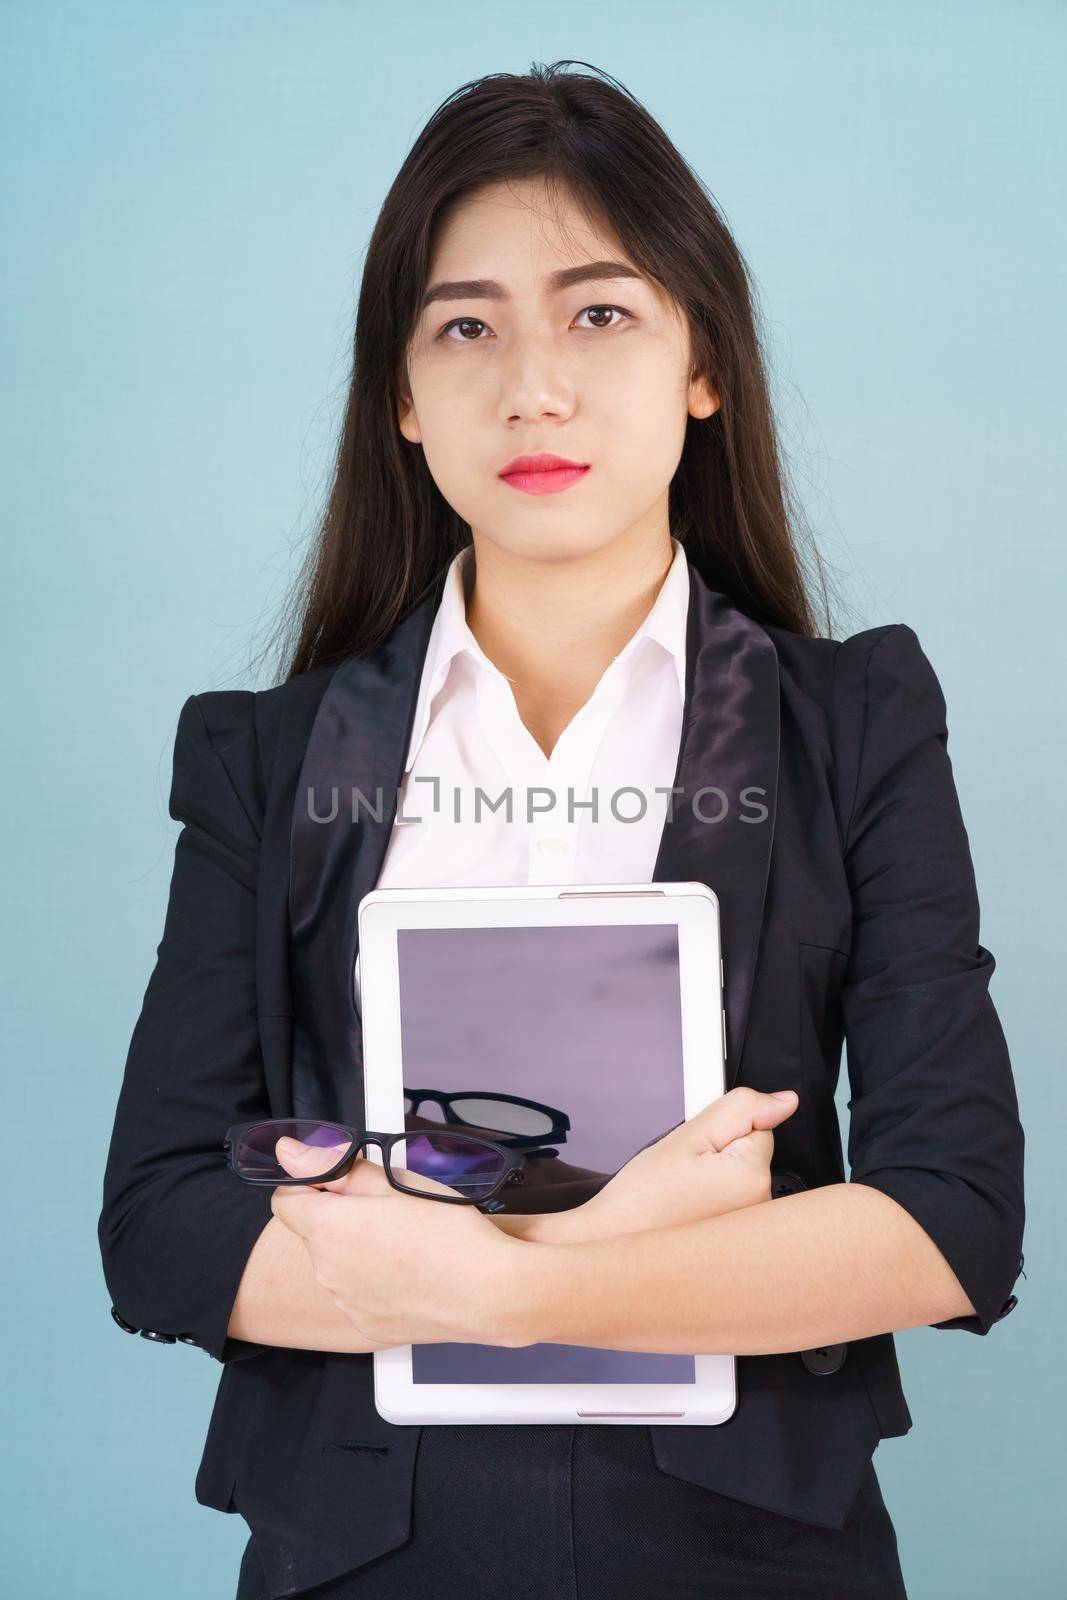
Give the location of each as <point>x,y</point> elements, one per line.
<point>467,735</point>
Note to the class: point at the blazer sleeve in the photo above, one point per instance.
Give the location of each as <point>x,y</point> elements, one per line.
<point>176,1226</point>
<point>934,1115</point>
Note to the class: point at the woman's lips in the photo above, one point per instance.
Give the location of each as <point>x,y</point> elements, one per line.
<point>544,475</point>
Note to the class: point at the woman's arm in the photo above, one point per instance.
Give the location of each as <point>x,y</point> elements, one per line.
<point>835,1263</point>
<point>185,1244</point>
<point>281,1302</point>
<point>929,1230</point>
<point>186,1247</point>
<point>934,1114</point>
<point>718,1160</point>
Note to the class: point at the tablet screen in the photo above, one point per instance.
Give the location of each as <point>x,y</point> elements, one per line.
<point>574,1035</point>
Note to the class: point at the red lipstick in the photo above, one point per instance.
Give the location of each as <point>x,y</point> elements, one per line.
<point>543,474</point>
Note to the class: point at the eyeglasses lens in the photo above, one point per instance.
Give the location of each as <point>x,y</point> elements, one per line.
<point>467,1165</point>
<point>254,1154</point>
<point>502,1116</point>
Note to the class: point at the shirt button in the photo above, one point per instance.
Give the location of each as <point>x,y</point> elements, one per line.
<point>551,845</point>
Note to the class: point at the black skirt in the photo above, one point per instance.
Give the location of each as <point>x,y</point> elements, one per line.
<point>584,1513</point>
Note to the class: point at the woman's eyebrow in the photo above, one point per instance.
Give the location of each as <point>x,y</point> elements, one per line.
<point>565,278</point>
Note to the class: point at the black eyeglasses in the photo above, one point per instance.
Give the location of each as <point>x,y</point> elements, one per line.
<point>476,1168</point>
<point>520,1124</point>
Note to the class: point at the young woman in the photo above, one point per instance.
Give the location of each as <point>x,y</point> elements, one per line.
<point>557,554</point>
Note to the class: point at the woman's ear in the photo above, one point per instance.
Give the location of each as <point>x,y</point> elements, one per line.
<point>703,400</point>
<point>407,421</point>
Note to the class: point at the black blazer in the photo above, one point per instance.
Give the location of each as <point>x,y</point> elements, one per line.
<point>849,910</point>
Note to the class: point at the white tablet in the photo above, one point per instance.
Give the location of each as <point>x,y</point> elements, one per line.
<point>592,1013</point>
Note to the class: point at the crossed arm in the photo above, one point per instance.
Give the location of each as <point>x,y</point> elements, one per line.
<point>836,1263</point>
<point>682,1251</point>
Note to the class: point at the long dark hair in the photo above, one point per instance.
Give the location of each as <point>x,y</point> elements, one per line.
<point>387,533</point>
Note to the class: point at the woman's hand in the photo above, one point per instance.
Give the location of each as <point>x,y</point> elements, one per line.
<point>403,1270</point>
<point>719,1160</point>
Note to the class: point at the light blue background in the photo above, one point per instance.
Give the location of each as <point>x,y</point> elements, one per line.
<point>187,193</point>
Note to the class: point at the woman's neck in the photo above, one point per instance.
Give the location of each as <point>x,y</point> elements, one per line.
<point>553,627</point>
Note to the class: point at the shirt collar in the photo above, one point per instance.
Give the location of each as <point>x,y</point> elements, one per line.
<point>450,635</point>
<point>668,619</point>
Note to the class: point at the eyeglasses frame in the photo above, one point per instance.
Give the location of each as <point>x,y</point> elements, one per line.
<point>514,1160</point>
<point>557,1134</point>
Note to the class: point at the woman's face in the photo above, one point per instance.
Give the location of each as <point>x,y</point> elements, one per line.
<point>540,336</point>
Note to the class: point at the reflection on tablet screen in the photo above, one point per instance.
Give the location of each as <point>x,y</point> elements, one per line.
<point>584,1022</point>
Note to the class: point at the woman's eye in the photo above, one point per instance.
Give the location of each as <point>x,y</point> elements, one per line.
<point>599,311</point>
<point>466,324</point>
<point>462,322</point>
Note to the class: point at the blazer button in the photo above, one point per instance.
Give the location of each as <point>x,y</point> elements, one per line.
<point>127,1327</point>
<point>785,1183</point>
<point>187,1338</point>
<point>1009,1305</point>
<point>157,1338</point>
<point>826,1358</point>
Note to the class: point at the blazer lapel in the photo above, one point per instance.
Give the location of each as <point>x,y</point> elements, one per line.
<point>356,748</point>
<point>727,774</point>
<point>727,769</point>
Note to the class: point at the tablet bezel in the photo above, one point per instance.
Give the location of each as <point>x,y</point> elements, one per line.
<point>694,909</point>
